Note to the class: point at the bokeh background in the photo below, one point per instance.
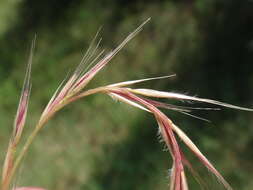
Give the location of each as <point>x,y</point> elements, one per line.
<point>98,144</point>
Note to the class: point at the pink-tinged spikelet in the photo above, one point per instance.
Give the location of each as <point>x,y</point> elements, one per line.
<point>19,121</point>
<point>80,78</point>
<point>24,99</point>
<point>168,130</point>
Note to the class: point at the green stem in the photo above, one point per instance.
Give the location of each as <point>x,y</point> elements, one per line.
<point>67,100</point>
<point>17,162</point>
<point>8,162</point>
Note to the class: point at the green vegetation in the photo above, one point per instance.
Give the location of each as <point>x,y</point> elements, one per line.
<point>98,144</point>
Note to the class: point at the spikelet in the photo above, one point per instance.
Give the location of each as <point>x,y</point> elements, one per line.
<point>19,121</point>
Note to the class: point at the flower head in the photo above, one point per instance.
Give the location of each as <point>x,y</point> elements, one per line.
<point>74,88</point>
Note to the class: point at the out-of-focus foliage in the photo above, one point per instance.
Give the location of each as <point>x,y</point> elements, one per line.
<point>98,144</point>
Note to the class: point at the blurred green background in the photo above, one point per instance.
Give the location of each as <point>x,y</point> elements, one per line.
<point>98,144</point>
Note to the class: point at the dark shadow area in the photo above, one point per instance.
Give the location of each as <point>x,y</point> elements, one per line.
<point>228,53</point>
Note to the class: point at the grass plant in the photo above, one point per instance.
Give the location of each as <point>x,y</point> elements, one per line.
<point>74,88</point>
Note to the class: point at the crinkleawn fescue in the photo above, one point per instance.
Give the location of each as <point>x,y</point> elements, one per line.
<point>73,89</point>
